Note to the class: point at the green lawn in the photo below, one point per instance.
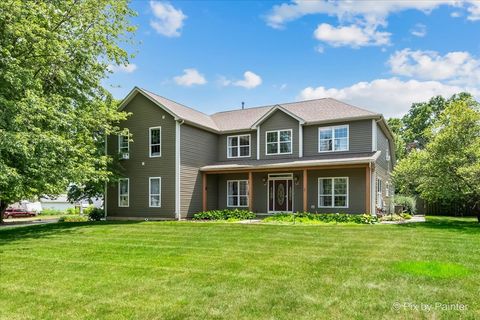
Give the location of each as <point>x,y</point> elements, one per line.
<point>178,270</point>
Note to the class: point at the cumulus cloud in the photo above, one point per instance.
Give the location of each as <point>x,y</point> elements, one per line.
<point>420,30</point>
<point>353,35</point>
<point>457,67</point>
<point>123,68</point>
<point>391,97</point>
<point>168,20</point>
<point>189,78</point>
<point>362,18</point>
<point>250,80</point>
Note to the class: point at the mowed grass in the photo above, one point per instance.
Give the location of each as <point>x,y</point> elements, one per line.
<point>188,270</point>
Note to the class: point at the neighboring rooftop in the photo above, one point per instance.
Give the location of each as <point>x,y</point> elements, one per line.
<point>310,111</point>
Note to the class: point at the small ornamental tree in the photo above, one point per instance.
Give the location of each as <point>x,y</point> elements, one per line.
<point>54,111</point>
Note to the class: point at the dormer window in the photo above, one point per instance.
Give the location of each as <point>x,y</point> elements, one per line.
<point>238,146</point>
<point>333,138</point>
<point>279,142</point>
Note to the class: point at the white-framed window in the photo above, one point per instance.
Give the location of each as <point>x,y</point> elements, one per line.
<point>123,144</point>
<point>379,193</point>
<point>154,192</point>
<point>333,138</point>
<point>124,192</point>
<point>155,142</point>
<point>278,142</point>
<point>387,189</point>
<point>238,146</point>
<point>333,192</point>
<point>237,193</point>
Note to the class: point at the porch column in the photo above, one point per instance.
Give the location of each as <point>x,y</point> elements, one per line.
<point>367,189</point>
<point>305,190</point>
<point>204,191</point>
<point>250,191</point>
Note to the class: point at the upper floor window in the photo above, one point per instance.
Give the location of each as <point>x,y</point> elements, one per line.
<point>123,145</point>
<point>155,142</point>
<point>333,192</point>
<point>237,193</point>
<point>279,142</point>
<point>123,192</point>
<point>333,138</point>
<point>155,187</point>
<point>238,146</point>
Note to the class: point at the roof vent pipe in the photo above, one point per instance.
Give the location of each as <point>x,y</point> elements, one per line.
<point>243,105</point>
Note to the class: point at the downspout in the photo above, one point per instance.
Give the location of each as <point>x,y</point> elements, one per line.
<point>178,149</point>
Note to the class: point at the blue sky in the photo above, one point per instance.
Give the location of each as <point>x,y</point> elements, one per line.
<point>383,56</point>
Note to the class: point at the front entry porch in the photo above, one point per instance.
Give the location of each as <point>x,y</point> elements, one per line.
<point>286,189</point>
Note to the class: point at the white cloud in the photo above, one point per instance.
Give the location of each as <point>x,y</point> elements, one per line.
<point>392,97</point>
<point>250,80</point>
<point>420,30</point>
<point>457,67</point>
<point>168,20</point>
<point>363,18</point>
<point>455,14</point>
<point>127,68</point>
<point>353,35</point>
<point>320,49</point>
<point>189,78</point>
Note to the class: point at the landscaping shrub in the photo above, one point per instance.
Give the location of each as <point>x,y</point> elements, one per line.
<point>51,212</point>
<point>95,214</point>
<point>312,218</point>
<point>71,211</point>
<point>226,214</point>
<point>73,218</point>
<point>409,203</point>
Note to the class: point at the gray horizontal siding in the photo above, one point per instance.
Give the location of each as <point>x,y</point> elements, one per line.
<point>360,138</point>
<point>140,166</point>
<point>198,148</point>
<point>383,146</point>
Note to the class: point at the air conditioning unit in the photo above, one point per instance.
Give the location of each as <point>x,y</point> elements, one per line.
<point>125,156</point>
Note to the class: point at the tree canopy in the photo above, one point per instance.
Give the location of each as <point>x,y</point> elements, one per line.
<point>54,112</point>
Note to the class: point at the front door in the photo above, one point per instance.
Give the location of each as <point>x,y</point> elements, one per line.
<point>280,195</point>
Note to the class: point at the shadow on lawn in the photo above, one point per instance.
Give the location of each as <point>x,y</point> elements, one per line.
<point>8,235</point>
<point>463,225</point>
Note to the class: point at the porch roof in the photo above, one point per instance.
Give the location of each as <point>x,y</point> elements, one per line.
<point>316,161</point>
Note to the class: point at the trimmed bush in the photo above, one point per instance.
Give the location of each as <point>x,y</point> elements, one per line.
<point>226,214</point>
<point>51,212</point>
<point>73,218</point>
<point>313,218</point>
<point>71,211</point>
<point>96,214</point>
<point>409,203</point>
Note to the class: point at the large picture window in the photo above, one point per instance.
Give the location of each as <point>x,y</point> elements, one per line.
<point>155,190</point>
<point>333,138</point>
<point>237,193</point>
<point>333,192</point>
<point>123,192</point>
<point>238,146</point>
<point>155,142</point>
<point>279,142</point>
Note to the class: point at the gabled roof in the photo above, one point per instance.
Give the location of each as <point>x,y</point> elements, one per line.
<point>306,112</point>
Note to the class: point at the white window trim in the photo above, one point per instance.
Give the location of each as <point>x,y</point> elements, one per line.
<point>238,146</point>
<point>150,192</point>
<point>333,192</point>
<point>120,136</point>
<point>128,193</point>
<point>379,194</point>
<point>239,195</point>
<point>278,142</point>
<point>150,142</point>
<point>333,138</point>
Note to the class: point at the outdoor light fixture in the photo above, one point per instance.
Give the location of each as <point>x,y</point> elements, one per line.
<point>264,180</point>
<point>296,180</point>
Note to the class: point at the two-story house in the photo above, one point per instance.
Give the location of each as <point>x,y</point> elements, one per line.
<point>319,155</point>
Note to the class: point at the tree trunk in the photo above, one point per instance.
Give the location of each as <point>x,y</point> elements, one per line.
<point>3,207</point>
<point>476,210</point>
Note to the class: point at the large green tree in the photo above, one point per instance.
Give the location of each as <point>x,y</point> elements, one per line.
<point>54,111</point>
<point>448,168</point>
